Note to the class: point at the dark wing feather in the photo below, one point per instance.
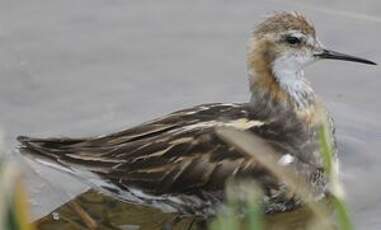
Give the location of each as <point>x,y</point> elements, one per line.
<point>175,154</point>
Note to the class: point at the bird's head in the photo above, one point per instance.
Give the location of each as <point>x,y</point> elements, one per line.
<point>281,46</point>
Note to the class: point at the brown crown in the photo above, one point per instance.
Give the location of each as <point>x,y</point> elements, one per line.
<point>284,21</point>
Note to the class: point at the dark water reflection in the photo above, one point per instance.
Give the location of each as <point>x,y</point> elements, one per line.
<point>108,214</point>
<point>94,210</point>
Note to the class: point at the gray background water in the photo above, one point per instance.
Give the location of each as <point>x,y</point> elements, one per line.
<point>89,67</point>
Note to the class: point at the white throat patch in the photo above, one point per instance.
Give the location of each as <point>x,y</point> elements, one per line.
<point>288,70</point>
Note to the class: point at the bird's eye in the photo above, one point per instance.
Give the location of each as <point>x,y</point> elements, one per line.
<point>293,40</point>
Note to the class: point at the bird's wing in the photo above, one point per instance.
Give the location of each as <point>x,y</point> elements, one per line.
<point>173,154</point>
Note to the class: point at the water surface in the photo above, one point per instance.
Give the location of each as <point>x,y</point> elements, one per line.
<point>82,68</point>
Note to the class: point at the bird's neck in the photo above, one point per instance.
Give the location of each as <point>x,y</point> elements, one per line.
<point>291,80</point>
<point>279,87</point>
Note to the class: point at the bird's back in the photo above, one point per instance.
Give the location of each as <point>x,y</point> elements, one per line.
<point>177,163</point>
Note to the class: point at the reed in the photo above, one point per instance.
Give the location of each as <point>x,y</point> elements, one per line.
<point>13,204</point>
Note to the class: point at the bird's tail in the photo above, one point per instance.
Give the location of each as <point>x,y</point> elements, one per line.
<point>58,153</point>
<point>77,157</point>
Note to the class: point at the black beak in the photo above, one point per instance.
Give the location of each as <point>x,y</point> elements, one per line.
<point>329,54</point>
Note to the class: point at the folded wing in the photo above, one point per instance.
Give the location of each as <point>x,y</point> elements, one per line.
<point>178,153</point>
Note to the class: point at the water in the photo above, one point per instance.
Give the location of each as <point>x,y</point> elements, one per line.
<point>81,68</point>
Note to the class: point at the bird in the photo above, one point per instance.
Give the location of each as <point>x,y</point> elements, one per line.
<point>179,164</point>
